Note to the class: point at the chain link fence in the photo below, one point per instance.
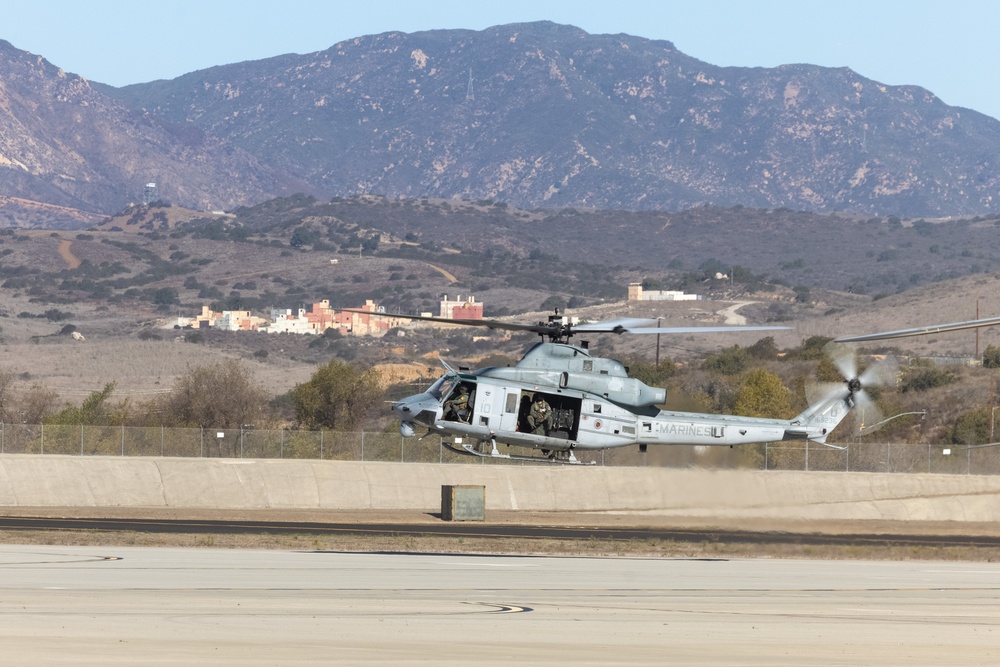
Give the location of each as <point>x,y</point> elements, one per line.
<point>886,457</point>
<point>380,446</point>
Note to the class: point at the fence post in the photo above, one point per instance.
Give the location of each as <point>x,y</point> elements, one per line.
<point>3,435</point>
<point>123,439</point>
<point>362,445</point>
<point>43,438</point>
<point>202,442</point>
<point>161,441</point>
<point>807,455</point>
<point>281,447</point>
<point>767,451</point>
<point>320,443</point>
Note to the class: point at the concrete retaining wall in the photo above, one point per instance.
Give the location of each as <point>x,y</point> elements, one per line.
<point>73,481</point>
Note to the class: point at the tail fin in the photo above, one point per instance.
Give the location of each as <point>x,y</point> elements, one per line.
<point>819,419</point>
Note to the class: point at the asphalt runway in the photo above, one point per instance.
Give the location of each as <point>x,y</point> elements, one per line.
<point>138,605</point>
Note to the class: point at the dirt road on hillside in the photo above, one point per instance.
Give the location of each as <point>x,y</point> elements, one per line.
<point>66,252</point>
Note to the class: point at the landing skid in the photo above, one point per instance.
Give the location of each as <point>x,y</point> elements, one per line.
<point>470,450</point>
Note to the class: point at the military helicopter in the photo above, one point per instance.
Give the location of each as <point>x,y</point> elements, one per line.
<point>594,404</point>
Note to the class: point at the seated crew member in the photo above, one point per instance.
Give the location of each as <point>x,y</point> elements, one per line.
<point>540,416</point>
<point>456,408</point>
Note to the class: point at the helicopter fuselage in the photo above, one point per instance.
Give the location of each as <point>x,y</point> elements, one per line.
<point>594,405</point>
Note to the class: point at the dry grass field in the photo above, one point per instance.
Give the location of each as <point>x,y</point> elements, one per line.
<point>111,352</point>
<point>138,368</point>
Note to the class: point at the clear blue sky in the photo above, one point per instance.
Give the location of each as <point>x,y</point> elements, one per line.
<point>948,47</point>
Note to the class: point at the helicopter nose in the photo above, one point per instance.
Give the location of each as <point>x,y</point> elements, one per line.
<point>421,408</point>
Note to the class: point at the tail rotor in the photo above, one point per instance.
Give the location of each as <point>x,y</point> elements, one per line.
<point>855,386</point>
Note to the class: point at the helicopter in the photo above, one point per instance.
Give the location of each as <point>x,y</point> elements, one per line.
<point>592,403</point>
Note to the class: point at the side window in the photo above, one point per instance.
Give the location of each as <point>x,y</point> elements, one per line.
<point>597,408</point>
<point>511,405</point>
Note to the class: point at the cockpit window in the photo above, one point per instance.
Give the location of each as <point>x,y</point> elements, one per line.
<point>443,386</point>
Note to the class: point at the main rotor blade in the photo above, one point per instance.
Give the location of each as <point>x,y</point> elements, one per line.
<point>620,324</point>
<point>634,325</point>
<point>690,330</point>
<point>921,331</point>
<point>489,324</point>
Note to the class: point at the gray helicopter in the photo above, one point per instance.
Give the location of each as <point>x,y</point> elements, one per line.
<point>559,399</point>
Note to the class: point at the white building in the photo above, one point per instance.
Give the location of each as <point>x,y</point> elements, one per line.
<point>283,320</point>
<point>636,293</point>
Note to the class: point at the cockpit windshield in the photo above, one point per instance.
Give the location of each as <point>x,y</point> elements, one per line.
<point>443,386</point>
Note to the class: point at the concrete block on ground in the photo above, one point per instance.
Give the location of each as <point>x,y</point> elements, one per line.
<point>465,502</point>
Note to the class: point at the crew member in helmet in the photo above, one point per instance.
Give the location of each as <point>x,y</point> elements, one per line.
<point>540,416</point>
<point>457,408</point>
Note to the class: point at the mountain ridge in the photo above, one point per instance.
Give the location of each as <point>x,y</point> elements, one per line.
<point>66,143</point>
<point>537,115</point>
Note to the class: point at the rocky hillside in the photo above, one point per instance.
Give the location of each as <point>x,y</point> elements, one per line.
<point>545,115</point>
<point>578,252</point>
<point>64,143</point>
<point>533,115</point>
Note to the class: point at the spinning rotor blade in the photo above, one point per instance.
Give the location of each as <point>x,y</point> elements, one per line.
<point>821,391</point>
<point>843,358</point>
<point>921,331</point>
<point>880,374</point>
<point>867,415</point>
<point>854,386</point>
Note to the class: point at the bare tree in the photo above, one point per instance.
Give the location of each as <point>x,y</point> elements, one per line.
<point>337,396</point>
<point>35,404</point>
<point>220,395</point>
